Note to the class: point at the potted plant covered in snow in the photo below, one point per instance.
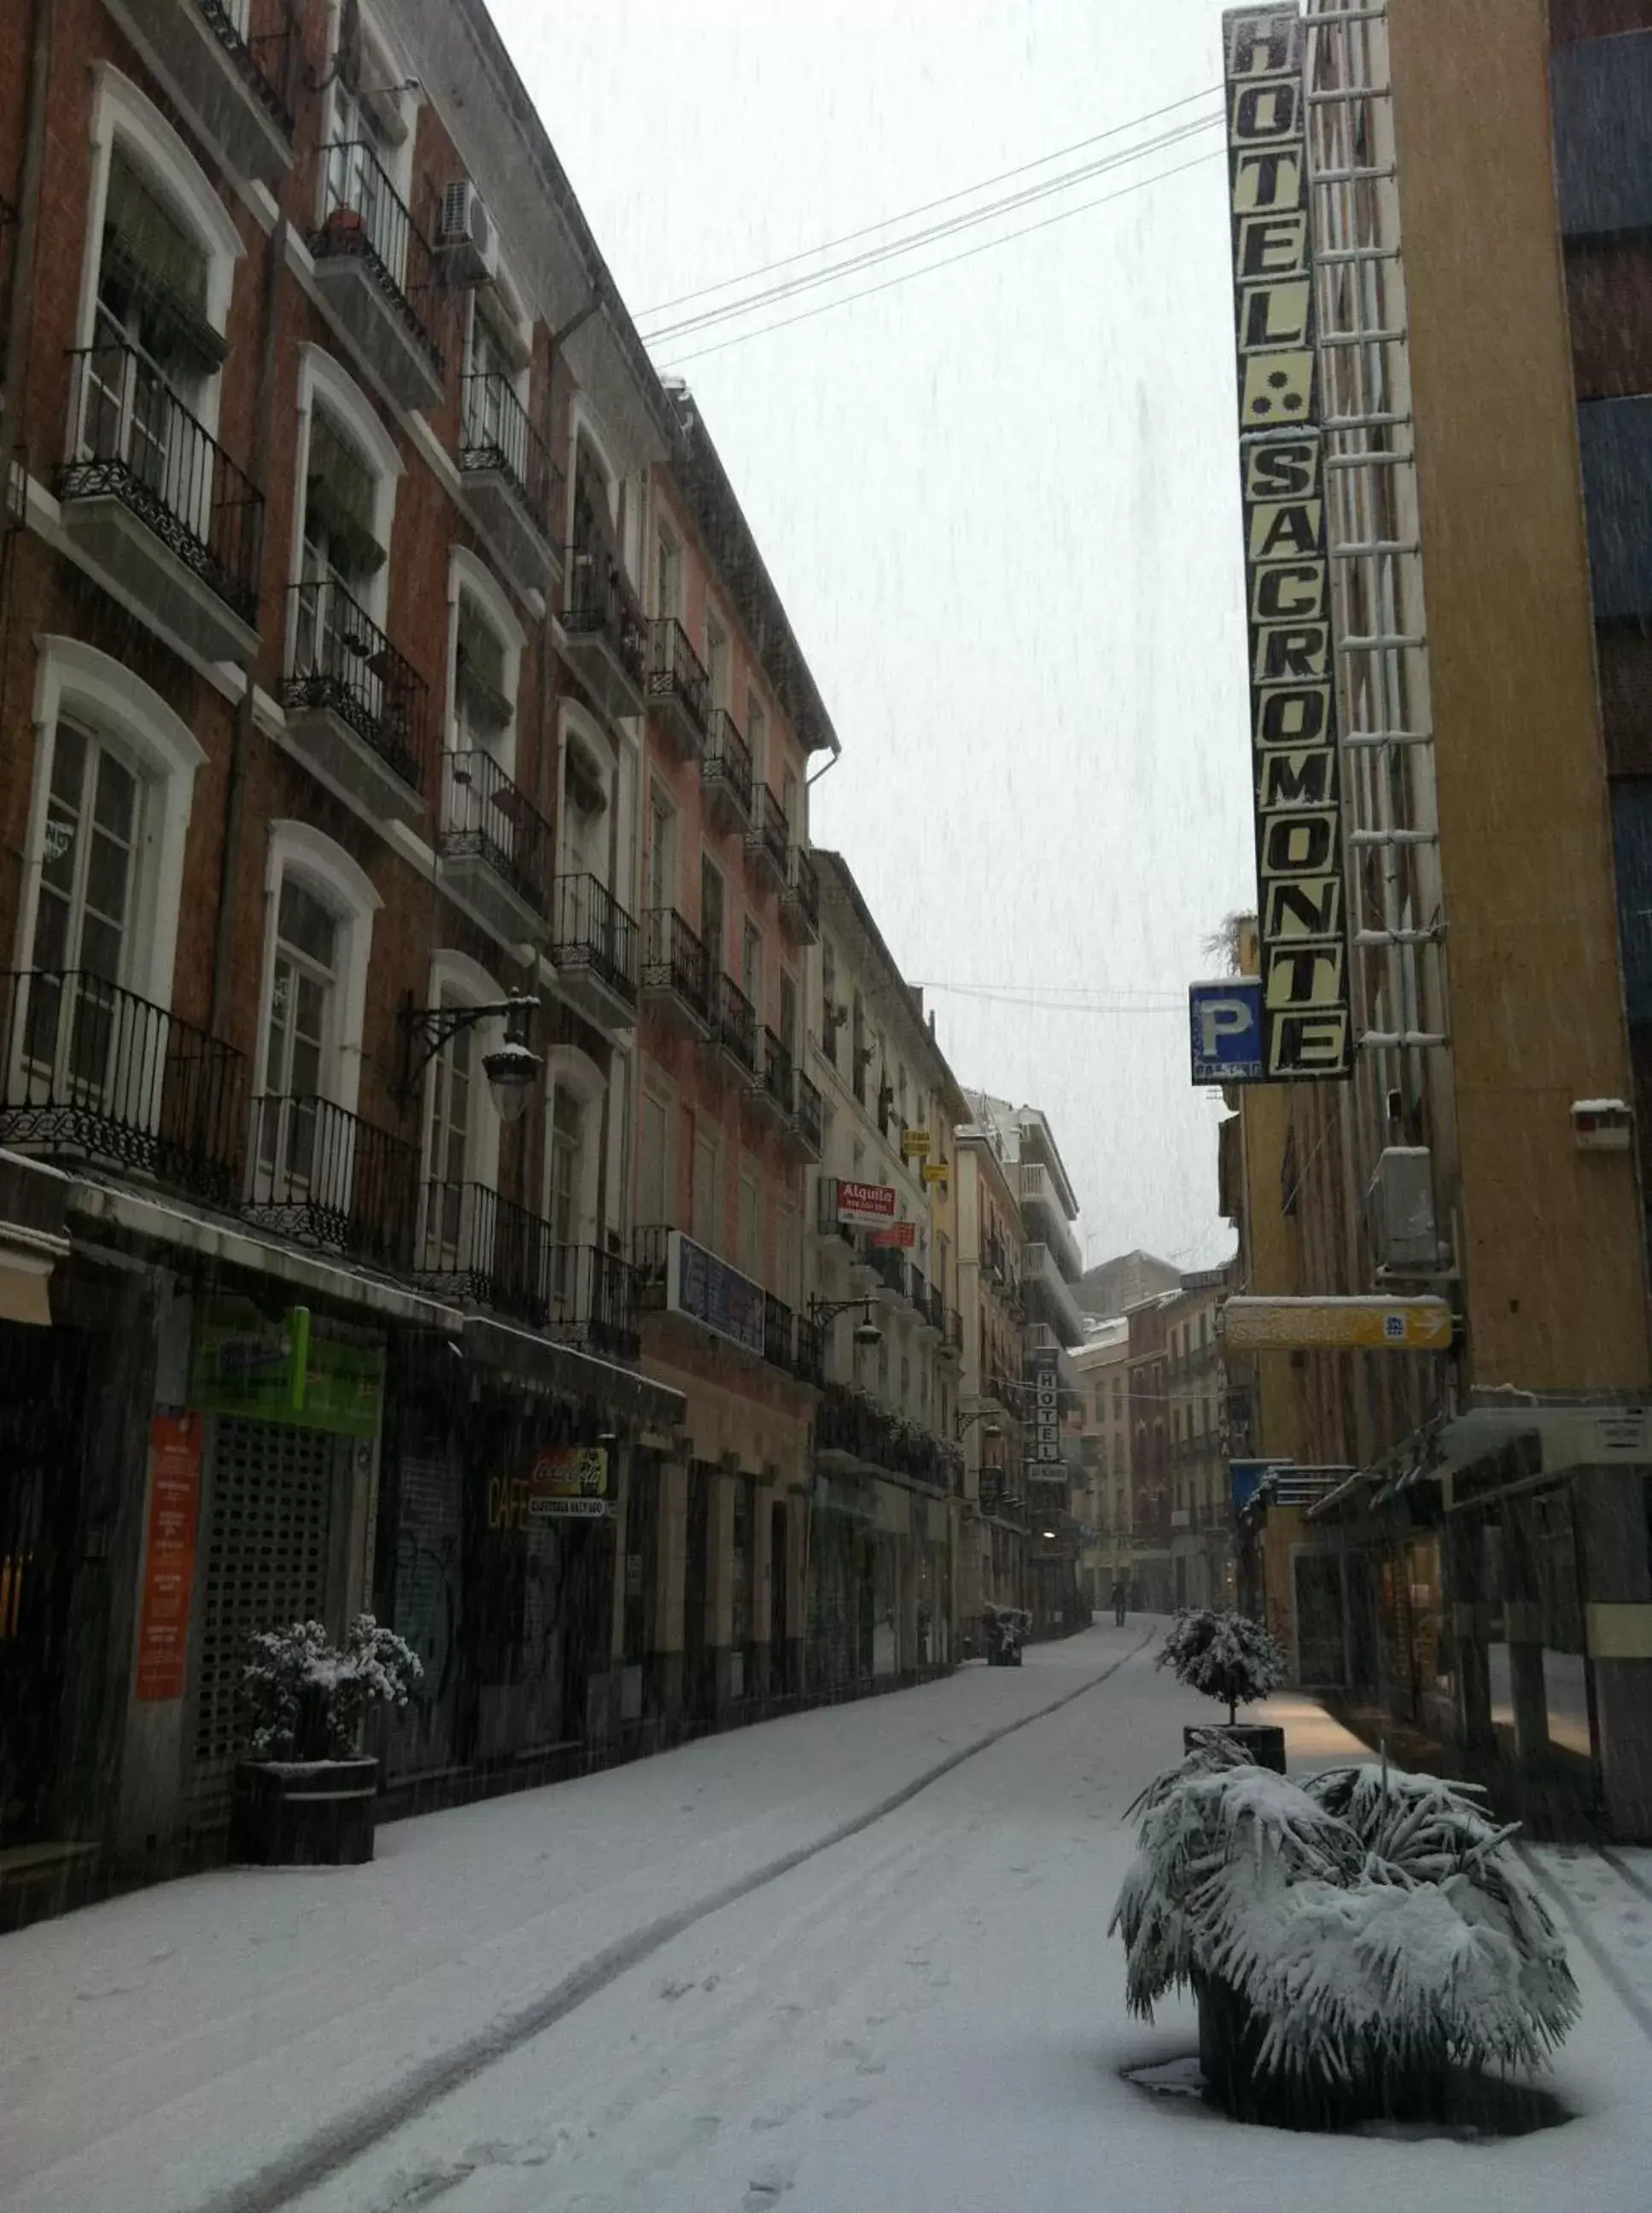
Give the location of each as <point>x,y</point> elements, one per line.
<point>306,1797</point>
<point>1362,1946</point>
<point>1228,1656</point>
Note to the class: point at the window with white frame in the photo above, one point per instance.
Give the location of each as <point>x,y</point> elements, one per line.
<point>661,855</point>
<point>668,575</point>
<point>751,1218</point>
<point>155,300</point>
<point>716,662</point>
<point>318,933</point>
<point>750,966</point>
<point>707,1227</point>
<point>654,1206</point>
<point>588,771</point>
<point>757,739</point>
<point>369,149</point>
<point>574,1088</point>
<point>97,923</point>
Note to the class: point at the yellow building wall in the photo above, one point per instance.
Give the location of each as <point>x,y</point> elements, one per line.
<point>1553,1253</point>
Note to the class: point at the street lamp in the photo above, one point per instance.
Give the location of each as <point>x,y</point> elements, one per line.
<point>866,1331</point>
<point>993,1428</point>
<point>512,1069</point>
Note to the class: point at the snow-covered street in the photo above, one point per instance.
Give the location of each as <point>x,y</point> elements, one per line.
<point>540,2003</point>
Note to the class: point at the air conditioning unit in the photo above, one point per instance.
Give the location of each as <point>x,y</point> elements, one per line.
<point>1404,1235</point>
<point>465,235</point>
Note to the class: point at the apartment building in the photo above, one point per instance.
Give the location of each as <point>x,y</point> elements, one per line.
<point>729,1119</point>
<point>1049,1267</point>
<point>1153,1581</point>
<point>992,1558</point>
<point>1201,1510</point>
<point>883,1269</point>
<point>1105,1503</point>
<point>1470,170</point>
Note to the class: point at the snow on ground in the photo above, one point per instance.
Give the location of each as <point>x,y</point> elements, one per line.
<point>926,2016</point>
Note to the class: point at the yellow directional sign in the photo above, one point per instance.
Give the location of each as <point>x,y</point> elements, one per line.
<point>1350,1325</point>
<point>914,1143</point>
<point>934,1172</point>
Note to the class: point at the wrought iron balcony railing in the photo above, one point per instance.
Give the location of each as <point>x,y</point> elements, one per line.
<point>591,931</point>
<point>259,35</point>
<point>769,835</point>
<point>484,814</point>
<point>133,439</point>
<point>673,960</point>
<point>811,1114</point>
<point>676,674</point>
<point>850,1423</point>
<point>803,885</point>
<point>93,1073</point>
<point>725,765</point>
<point>341,662</point>
<point>365,217</point>
<point>599,604</point>
<point>778,1074</point>
<point>591,1298</point>
<point>324,1177</point>
<point>495,432</point>
<point>779,1333</point>
<point>735,1020</point>
<point>811,1352</point>
<point>474,1245</point>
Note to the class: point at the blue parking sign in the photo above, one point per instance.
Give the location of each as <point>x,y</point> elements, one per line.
<point>1226,1020</point>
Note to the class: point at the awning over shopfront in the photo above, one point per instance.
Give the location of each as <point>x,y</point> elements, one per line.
<point>540,1363</point>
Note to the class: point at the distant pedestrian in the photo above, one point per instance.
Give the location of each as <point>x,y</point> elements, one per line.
<point>1118,1597</point>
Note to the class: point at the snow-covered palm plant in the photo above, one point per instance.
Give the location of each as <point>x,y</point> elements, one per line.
<point>1225,1654</point>
<point>1363,1931</point>
<point>308,1697</point>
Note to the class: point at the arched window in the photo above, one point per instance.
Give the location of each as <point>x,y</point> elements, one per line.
<point>114,775</point>
<point>349,467</point>
<point>460,1235</point>
<point>586,776</point>
<point>574,1087</point>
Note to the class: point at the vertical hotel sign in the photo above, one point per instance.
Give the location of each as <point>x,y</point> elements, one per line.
<point>1301,898</point>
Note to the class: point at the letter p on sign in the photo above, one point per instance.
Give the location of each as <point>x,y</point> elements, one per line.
<point>1227,1031</point>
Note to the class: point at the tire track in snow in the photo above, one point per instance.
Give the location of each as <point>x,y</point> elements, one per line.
<point>306,2165</point>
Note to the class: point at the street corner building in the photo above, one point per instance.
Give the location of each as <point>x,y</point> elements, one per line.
<point>418,1012</point>
<point>1436,1353</point>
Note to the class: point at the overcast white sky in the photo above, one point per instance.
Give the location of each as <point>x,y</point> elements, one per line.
<point>1000,503</point>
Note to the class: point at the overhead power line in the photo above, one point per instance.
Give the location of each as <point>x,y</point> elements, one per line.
<point>932,234</point>
<point>908,275</point>
<point>1056,1001</point>
<point>927,207</point>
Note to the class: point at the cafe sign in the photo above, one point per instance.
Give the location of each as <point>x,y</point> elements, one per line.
<point>561,1483</point>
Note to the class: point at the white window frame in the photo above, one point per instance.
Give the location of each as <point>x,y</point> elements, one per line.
<point>121,113</point>
<point>344,887</point>
<point>384,66</point>
<point>455,977</point>
<point>470,578</point>
<point>74,679</point>
<point>577,720</point>
<point>658,1087</point>
<point>567,1067</point>
<point>582,423</point>
<point>320,376</point>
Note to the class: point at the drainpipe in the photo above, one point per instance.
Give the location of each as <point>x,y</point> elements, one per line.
<point>235,795</point>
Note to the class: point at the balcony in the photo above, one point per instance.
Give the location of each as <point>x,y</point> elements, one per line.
<point>676,687</point>
<point>602,632</point>
<point>374,271</point>
<point>325,1177</point>
<point>769,1096</point>
<point>511,488</point>
<point>1048,1296</point>
<point>1046,1217</point>
<point>889,1270</point>
<point>807,1130</point>
<point>811,1353</point>
<point>230,62</point>
<point>356,711</point>
<point>767,840</point>
<point>952,1337</point>
<point>733,1030</point>
<point>593,950</point>
<point>93,1074</point>
<point>800,902</point>
<point>158,504</point>
<point>852,1431</point>
<point>674,981</point>
<point>726,773</point>
<point>779,1334</point>
<point>494,847</point>
<point>483,1249</point>
<point>827,1229</point>
<point>932,1310</point>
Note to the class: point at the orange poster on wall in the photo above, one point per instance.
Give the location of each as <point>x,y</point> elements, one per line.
<point>169,1555</point>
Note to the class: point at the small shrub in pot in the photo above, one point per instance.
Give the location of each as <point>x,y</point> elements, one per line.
<point>1229,1657</point>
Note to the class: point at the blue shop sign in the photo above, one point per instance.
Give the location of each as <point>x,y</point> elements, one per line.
<point>709,1291</point>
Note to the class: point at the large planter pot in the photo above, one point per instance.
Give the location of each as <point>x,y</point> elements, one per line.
<point>1264,1741</point>
<point>303,1812</point>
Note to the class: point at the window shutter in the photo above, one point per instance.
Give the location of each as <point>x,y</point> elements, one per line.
<point>151,258</point>
<point>479,673</point>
